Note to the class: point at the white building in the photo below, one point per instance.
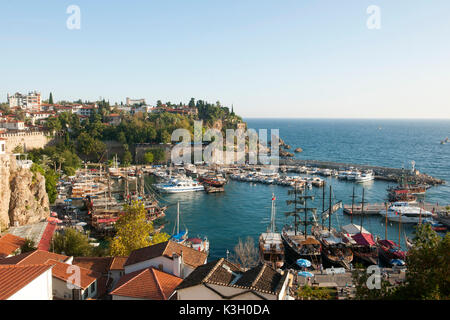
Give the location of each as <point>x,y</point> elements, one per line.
<point>12,125</point>
<point>30,101</point>
<point>31,282</point>
<point>131,102</point>
<point>169,256</point>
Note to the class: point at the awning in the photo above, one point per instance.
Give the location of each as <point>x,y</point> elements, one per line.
<point>364,239</point>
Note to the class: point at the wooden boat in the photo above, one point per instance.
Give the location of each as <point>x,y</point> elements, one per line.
<point>213,181</point>
<point>300,245</point>
<point>364,249</point>
<point>271,248</point>
<point>335,252</point>
<point>388,250</point>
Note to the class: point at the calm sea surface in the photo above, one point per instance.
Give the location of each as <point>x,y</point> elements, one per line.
<point>244,209</point>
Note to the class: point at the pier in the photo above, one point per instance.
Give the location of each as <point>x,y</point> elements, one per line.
<point>375,208</point>
<point>381,173</point>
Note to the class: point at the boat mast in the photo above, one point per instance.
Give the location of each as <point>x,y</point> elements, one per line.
<point>329,213</point>
<point>323,202</point>
<point>272,216</point>
<point>178,217</point>
<point>353,204</point>
<point>385,222</point>
<point>362,211</point>
<point>399,229</point>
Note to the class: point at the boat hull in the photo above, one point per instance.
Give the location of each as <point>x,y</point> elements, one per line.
<point>292,255</point>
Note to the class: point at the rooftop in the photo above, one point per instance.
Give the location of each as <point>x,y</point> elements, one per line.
<point>13,278</point>
<point>149,283</point>
<point>33,257</point>
<point>10,243</point>
<point>191,256</point>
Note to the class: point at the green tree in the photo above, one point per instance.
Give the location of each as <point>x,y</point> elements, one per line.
<point>71,243</point>
<point>18,149</point>
<point>50,99</point>
<point>28,246</point>
<point>134,231</point>
<point>315,293</point>
<point>428,274</point>
<point>148,157</point>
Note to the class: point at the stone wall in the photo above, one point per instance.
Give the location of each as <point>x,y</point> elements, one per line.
<point>29,140</point>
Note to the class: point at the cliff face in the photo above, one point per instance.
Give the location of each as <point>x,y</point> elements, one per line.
<point>23,199</point>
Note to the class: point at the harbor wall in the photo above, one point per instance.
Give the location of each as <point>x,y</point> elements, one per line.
<point>28,140</point>
<point>381,173</point>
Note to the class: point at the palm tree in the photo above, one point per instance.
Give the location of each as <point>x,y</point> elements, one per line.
<point>45,162</point>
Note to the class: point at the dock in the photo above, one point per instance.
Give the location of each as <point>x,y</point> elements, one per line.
<point>375,208</point>
<point>381,173</point>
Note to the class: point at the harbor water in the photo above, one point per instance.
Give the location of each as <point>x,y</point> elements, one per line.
<point>244,208</point>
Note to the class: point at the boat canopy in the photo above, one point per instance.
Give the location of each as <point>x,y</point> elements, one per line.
<point>353,229</point>
<point>331,240</point>
<point>388,243</point>
<point>364,239</point>
<point>179,236</point>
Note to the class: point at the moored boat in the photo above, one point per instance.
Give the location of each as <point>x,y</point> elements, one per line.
<point>271,248</point>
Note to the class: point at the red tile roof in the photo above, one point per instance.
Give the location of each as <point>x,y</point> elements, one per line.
<point>33,257</point>
<point>191,256</point>
<point>47,236</point>
<point>64,271</point>
<point>118,263</point>
<point>10,243</point>
<point>97,264</point>
<point>13,278</point>
<point>151,284</point>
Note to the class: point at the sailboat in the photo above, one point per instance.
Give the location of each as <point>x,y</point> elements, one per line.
<point>335,251</point>
<point>300,245</point>
<point>388,250</point>
<point>362,243</point>
<point>271,248</point>
<point>179,236</point>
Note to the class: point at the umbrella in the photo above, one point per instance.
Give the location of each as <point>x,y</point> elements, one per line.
<point>303,263</point>
<point>305,274</point>
<point>397,262</point>
<point>81,224</point>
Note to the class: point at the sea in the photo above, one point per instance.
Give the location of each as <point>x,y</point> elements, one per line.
<point>243,210</point>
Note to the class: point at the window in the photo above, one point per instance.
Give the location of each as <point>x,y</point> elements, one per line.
<point>85,294</point>
<point>93,287</point>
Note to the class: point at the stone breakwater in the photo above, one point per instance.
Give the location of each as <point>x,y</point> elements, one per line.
<point>23,198</point>
<point>381,173</point>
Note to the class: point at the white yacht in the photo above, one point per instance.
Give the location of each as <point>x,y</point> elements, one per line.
<point>365,176</point>
<point>352,176</point>
<point>178,185</point>
<point>405,213</point>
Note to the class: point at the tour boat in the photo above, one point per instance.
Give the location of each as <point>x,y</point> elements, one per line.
<point>365,176</point>
<point>271,248</point>
<point>405,213</point>
<point>178,185</point>
<point>335,251</point>
<point>388,250</point>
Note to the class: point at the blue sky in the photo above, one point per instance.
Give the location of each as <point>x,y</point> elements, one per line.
<point>299,58</point>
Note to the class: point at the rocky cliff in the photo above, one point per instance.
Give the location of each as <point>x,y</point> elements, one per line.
<point>23,199</point>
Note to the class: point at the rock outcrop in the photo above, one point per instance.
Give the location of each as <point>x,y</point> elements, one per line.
<point>23,198</point>
<point>298,150</point>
